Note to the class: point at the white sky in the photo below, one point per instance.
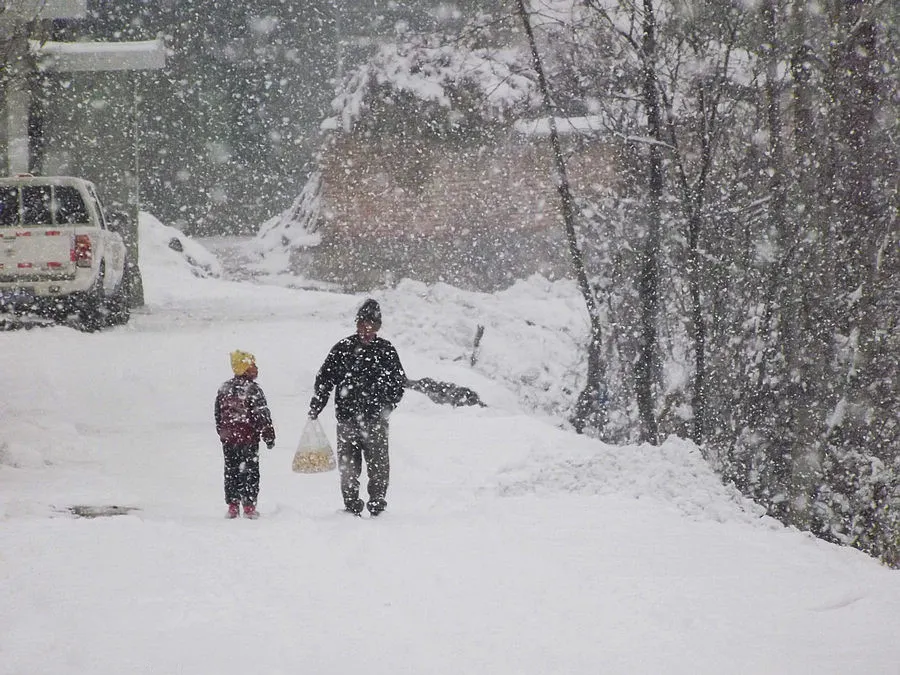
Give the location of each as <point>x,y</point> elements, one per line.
<point>509,546</point>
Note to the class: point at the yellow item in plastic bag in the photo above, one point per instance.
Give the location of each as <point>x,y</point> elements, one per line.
<point>314,453</point>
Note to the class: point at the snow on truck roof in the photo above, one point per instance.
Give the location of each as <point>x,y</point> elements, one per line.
<point>30,179</point>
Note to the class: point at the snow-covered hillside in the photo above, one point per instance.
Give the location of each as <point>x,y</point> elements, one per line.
<point>509,546</point>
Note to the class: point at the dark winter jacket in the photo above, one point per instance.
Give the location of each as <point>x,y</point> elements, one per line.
<point>368,379</point>
<point>242,413</point>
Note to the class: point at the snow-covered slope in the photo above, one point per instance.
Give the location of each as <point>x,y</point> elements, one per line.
<point>509,545</point>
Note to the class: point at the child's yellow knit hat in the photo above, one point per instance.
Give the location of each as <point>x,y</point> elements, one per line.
<point>241,361</point>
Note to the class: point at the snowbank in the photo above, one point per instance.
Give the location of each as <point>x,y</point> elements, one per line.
<point>673,473</point>
<point>534,335</point>
<point>171,251</point>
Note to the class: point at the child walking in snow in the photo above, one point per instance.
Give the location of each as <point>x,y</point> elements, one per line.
<point>242,417</point>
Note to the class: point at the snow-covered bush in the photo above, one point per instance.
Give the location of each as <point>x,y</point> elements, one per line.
<point>428,85</point>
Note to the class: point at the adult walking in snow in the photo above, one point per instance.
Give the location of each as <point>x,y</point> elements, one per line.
<point>368,379</point>
<point>242,417</point>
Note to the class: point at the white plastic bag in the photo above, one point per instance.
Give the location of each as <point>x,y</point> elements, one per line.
<point>314,453</point>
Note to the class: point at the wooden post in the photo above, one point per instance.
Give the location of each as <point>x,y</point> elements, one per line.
<point>479,333</point>
<point>16,15</point>
<point>18,99</point>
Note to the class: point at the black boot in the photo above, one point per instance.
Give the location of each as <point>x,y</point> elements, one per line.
<point>354,506</point>
<point>376,506</point>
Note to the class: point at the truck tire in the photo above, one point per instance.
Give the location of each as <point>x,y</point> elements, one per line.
<point>91,306</point>
<point>117,309</point>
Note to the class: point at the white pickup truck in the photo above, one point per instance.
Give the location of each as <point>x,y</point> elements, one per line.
<point>60,257</point>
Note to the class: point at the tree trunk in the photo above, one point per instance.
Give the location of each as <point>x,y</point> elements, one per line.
<point>647,367</point>
<point>591,406</point>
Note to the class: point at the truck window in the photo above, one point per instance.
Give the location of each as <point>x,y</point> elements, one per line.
<point>36,205</point>
<point>9,206</point>
<point>70,207</point>
<point>98,206</point>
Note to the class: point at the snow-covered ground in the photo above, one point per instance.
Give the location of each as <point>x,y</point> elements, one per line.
<point>509,546</point>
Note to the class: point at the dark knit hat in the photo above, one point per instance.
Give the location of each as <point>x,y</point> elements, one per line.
<point>369,311</point>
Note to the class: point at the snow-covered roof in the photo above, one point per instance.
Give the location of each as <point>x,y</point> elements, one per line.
<point>46,9</point>
<point>590,125</point>
<point>500,80</point>
<point>81,56</point>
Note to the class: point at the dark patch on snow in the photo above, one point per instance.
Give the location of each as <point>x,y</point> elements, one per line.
<point>101,511</point>
<point>445,393</point>
<point>10,322</point>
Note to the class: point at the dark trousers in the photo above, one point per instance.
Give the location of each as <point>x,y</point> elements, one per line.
<point>241,473</point>
<point>359,440</point>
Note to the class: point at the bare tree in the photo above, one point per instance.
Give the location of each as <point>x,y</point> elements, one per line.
<point>648,360</point>
<point>777,212</point>
<point>592,400</point>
